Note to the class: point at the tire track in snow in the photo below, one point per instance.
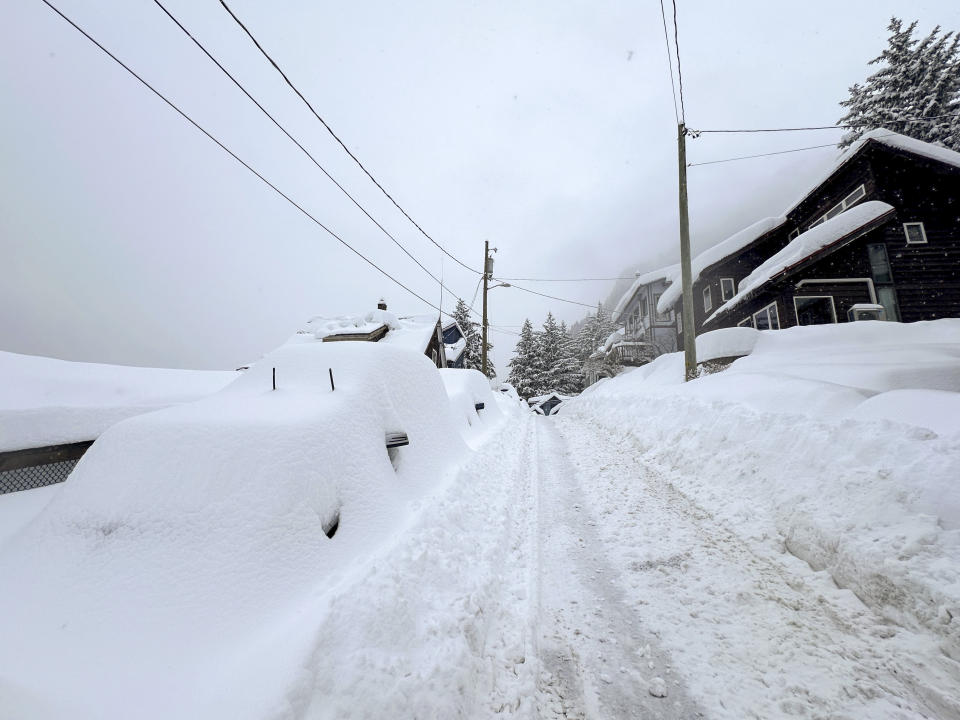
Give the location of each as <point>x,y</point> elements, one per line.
<point>757,632</point>
<point>597,660</point>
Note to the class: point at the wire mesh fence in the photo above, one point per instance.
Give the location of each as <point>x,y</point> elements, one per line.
<point>36,476</point>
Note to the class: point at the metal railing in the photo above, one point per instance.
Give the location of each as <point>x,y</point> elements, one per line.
<point>39,467</point>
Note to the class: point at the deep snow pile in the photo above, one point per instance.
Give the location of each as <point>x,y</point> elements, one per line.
<point>44,401</point>
<point>183,566</point>
<point>841,440</point>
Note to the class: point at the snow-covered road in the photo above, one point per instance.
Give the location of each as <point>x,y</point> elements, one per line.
<point>597,656</point>
<point>753,631</point>
<point>560,576</point>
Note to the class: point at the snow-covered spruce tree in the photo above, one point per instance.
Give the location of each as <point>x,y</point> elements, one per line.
<point>521,366</point>
<point>546,376</point>
<point>569,375</point>
<point>586,338</point>
<point>915,92</point>
<point>472,333</point>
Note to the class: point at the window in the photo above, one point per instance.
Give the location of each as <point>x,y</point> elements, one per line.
<point>853,197</point>
<point>643,306</point>
<point>879,263</point>
<point>661,317</point>
<point>915,233</point>
<point>793,233</point>
<point>814,309</point>
<point>707,301</point>
<point>746,322</point>
<point>887,297</point>
<point>726,289</point>
<point>767,319</point>
<point>845,204</point>
<point>679,323</point>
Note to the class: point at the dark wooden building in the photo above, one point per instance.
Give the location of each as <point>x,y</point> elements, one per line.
<point>815,263</point>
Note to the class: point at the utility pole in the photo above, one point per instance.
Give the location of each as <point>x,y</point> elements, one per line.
<point>686,274</point>
<point>487,270</point>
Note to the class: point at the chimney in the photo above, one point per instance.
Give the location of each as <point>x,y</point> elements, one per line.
<point>382,305</point>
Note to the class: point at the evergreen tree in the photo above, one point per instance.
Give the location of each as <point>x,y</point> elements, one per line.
<point>569,375</point>
<point>549,349</point>
<point>522,364</point>
<point>472,334</point>
<point>915,92</point>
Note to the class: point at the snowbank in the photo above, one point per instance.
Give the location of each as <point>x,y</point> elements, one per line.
<point>44,401</point>
<point>726,343</point>
<point>841,439</point>
<point>188,542</point>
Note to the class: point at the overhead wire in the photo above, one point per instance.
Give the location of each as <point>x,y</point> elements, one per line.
<point>552,297</point>
<point>236,157</point>
<point>925,118</point>
<point>299,145</point>
<point>533,279</point>
<point>341,143</point>
<point>676,44</point>
<point>769,154</point>
<point>673,86</point>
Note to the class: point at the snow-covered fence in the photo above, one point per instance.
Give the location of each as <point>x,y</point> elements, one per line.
<point>38,467</point>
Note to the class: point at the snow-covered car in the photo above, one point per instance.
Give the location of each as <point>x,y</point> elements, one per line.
<point>187,538</point>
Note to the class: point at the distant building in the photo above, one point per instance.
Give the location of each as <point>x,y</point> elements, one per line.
<point>455,344</point>
<point>421,333</point>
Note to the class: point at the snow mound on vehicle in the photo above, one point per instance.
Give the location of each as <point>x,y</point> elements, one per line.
<point>185,537</point>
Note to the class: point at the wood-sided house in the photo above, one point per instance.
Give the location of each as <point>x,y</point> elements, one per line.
<point>883,228</point>
<point>647,332</point>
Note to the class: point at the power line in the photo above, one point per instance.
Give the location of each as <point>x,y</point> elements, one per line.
<point>552,297</point>
<point>750,157</point>
<point>530,279</point>
<point>666,39</point>
<point>235,156</point>
<point>781,152</point>
<point>334,135</point>
<point>676,43</point>
<point>475,291</point>
<point>298,144</point>
<point>926,118</point>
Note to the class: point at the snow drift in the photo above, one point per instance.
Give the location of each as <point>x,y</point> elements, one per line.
<point>841,439</point>
<point>187,541</point>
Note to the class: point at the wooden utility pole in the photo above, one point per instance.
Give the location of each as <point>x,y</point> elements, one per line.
<point>487,269</point>
<point>686,274</point>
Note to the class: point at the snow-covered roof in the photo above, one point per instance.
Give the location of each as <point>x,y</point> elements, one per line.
<point>321,327</point>
<point>455,350</point>
<point>612,338</point>
<point>665,273</point>
<point>806,245</point>
<point>890,139</point>
<point>414,332</point>
<point>732,245</point>
<point>746,236</point>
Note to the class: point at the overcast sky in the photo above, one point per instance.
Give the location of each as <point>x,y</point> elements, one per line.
<point>547,128</point>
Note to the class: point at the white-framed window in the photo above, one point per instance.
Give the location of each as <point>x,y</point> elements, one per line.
<point>746,322</point>
<point>679,323</point>
<point>768,318</point>
<point>643,306</point>
<point>726,289</point>
<point>915,232</point>
<point>854,197</point>
<point>814,309</point>
<point>793,233</point>
<point>707,300</point>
